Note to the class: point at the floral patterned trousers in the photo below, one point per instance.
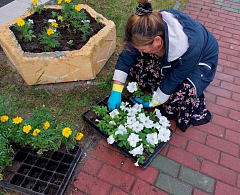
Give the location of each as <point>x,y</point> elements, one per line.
<point>182,105</point>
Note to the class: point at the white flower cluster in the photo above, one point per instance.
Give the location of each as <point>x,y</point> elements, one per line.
<point>133,86</point>
<point>136,122</point>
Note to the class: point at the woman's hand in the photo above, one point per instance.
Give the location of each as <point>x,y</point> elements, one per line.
<point>140,101</point>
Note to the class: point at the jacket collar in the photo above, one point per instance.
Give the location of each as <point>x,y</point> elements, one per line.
<point>176,41</point>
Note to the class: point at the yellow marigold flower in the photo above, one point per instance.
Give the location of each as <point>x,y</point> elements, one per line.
<point>78,8</point>
<point>27,129</point>
<point>46,125</point>
<point>36,131</point>
<point>59,2</point>
<point>50,31</point>
<point>54,24</point>
<point>4,118</point>
<point>17,120</point>
<point>66,132</point>
<point>20,22</point>
<point>34,2</point>
<point>79,136</point>
<point>67,1</point>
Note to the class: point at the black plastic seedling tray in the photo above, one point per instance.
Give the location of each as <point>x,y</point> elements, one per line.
<point>90,117</point>
<point>48,174</point>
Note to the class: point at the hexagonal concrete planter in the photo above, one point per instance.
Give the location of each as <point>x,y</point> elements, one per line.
<point>61,66</point>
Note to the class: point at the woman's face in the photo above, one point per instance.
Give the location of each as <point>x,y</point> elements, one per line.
<point>154,48</point>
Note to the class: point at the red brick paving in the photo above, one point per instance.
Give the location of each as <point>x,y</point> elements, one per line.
<point>211,149</point>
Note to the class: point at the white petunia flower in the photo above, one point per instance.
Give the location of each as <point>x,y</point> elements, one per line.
<point>132,112</point>
<point>138,107</point>
<point>133,139</point>
<point>51,20</point>
<point>123,106</point>
<point>31,21</point>
<point>164,121</point>
<point>121,130</point>
<point>112,123</point>
<point>158,113</point>
<point>110,139</point>
<point>132,87</point>
<point>164,135</point>
<point>84,21</point>
<point>137,150</point>
<point>152,138</point>
<point>147,122</point>
<point>157,125</point>
<point>136,164</point>
<point>137,127</point>
<point>131,120</point>
<point>114,113</point>
<point>141,116</point>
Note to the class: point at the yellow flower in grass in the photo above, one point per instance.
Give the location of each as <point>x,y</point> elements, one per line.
<point>17,120</point>
<point>27,129</point>
<point>4,118</point>
<point>79,136</point>
<point>36,131</point>
<point>20,22</point>
<point>34,2</point>
<point>46,125</point>
<point>78,8</point>
<point>59,2</point>
<point>54,24</point>
<point>66,132</point>
<point>67,1</point>
<point>50,32</point>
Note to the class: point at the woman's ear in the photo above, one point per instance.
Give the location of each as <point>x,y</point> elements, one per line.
<point>158,40</point>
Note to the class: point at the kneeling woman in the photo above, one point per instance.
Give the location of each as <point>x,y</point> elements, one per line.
<point>171,54</point>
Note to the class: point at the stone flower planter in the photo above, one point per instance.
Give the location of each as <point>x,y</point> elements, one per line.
<point>61,66</point>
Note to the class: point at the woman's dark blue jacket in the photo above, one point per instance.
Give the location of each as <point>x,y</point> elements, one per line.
<point>198,63</point>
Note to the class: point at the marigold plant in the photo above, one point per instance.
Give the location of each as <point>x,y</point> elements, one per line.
<point>26,29</point>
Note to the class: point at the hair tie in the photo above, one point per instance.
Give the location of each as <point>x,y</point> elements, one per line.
<point>144,9</point>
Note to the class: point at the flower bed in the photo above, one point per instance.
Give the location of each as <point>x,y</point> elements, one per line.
<point>136,133</point>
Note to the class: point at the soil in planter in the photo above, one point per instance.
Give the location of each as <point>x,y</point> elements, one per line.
<point>57,179</point>
<point>51,190</point>
<point>24,169</point>
<point>28,183</point>
<point>39,187</point>
<point>52,166</point>
<point>46,176</point>
<point>57,156</point>
<point>41,162</point>
<point>65,34</point>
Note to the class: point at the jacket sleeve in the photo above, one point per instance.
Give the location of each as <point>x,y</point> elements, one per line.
<point>125,61</point>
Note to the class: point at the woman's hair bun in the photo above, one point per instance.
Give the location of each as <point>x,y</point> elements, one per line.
<point>144,9</point>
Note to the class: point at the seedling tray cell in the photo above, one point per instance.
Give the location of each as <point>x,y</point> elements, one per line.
<point>90,117</point>
<point>47,174</point>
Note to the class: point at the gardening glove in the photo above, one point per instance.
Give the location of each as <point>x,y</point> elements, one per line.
<point>149,104</point>
<point>140,101</point>
<point>114,100</point>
